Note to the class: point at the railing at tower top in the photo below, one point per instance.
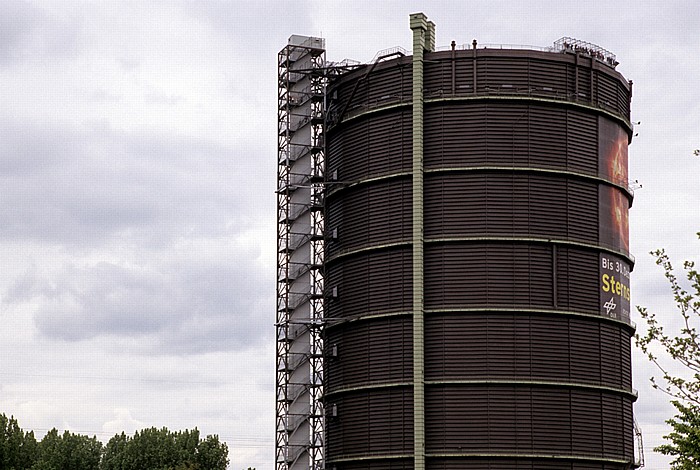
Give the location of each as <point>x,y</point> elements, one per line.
<point>467,46</point>
<point>565,44</point>
<point>396,51</point>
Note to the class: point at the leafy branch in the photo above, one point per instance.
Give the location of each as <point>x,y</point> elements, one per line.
<point>683,348</point>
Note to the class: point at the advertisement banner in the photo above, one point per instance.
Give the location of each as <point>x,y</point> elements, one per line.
<point>613,214</point>
<point>614,202</point>
<point>614,287</point>
<point>612,152</point>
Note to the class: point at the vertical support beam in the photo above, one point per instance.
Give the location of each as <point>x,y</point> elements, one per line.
<point>420,27</point>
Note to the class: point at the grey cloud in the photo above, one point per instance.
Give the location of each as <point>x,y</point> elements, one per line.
<point>253,25</point>
<point>190,307</point>
<point>29,29</point>
<point>26,287</point>
<point>88,189</point>
<point>15,24</point>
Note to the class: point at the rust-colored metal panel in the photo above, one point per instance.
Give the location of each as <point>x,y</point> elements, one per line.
<point>510,204</point>
<point>469,274</point>
<point>392,464</point>
<point>369,215</point>
<point>363,423</point>
<point>532,419</point>
<point>524,346</point>
<point>473,134</point>
<point>369,283</point>
<point>376,146</point>
<point>368,352</point>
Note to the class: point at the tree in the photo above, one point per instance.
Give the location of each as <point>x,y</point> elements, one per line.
<point>685,438</point>
<point>161,449</point>
<point>212,454</point>
<point>68,451</point>
<point>18,450</point>
<point>682,346</point>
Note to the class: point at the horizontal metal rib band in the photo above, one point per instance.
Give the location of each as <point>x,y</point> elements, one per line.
<point>385,246</point>
<point>483,460</point>
<point>366,458</point>
<point>429,101</point>
<point>334,322</point>
<point>373,386</point>
<point>535,170</point>
<point>631,326</point>
<point>474,456</point>
<point>336,187</point>
<point>628,257</point>
<point>509,463</point>
<point>586,458</point>
<point>341,186</point>
<point>632,394</point>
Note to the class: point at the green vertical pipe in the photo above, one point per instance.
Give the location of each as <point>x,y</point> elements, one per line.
<point>419,26</point>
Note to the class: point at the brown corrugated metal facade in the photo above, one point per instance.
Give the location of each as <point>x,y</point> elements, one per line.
<point>523,367</point>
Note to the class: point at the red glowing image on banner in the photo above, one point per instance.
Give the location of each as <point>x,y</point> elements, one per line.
<point>620,217</point>
<point>614,202</point>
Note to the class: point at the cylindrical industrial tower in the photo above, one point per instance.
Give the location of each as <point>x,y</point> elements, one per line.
<point>477,261</point>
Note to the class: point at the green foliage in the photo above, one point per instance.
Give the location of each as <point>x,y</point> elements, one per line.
<point>682,346</point>
<point>212,454</point>
<point>161,449</point>
<point>152,449</point>
<point>68,451</point>
<point>685,438</point>
<point>18,450</point>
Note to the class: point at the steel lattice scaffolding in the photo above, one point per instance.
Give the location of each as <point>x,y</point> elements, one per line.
<point>300,226</point>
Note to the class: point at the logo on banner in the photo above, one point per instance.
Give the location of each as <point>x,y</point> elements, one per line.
<point>610,305</point>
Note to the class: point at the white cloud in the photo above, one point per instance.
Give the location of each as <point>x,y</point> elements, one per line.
<point>122,422</point>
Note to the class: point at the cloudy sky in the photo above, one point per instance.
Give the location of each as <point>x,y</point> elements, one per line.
<point>137,177</point>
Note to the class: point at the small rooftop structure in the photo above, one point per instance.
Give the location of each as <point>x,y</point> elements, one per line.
<point>567,44</point>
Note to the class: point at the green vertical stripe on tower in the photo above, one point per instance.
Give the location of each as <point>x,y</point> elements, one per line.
<point>419,26</point>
